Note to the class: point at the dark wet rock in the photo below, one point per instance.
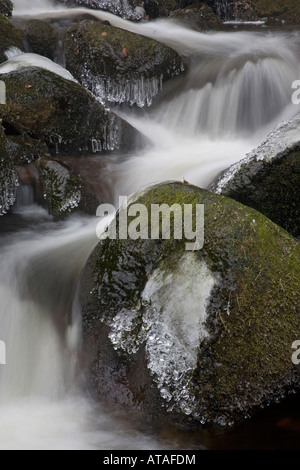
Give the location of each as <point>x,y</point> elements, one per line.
<point>162,8</point>
<point>24,150</point>
<point>40,38</point>
<point>6,7</point>
<point>60,113</point>
<point>193,338</point>
<point>235,10</point>
<point>8,176</point>
<point>9,37</point>
<point>111,62</point>
<point>268,179</point>
<point>199,17</point>
<point>62,190</point>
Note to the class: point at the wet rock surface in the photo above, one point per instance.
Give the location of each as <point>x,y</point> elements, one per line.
<point>111,62</point>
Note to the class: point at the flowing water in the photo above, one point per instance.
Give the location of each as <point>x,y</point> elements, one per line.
<point>237,87</point>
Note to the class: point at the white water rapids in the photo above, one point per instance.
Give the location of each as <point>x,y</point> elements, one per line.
<point>236,89</point>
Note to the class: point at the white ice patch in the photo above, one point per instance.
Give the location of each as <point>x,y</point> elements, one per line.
<point>173,326</point>
<point>20,61</point>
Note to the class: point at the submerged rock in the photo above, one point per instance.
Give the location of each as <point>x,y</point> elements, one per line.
<point>9,37</point>
<point>60,113</point>
<point>193,337</point>
<point>268,179</point>
<point>117,65</point>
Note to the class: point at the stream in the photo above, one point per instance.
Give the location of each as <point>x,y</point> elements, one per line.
<point>236,89</point>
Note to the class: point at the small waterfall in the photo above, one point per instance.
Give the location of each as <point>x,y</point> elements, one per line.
<point>32,331</point>
<point>24,196</point>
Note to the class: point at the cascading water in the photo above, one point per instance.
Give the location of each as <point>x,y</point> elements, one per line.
<point>41,406</point>
<point>236,88</point>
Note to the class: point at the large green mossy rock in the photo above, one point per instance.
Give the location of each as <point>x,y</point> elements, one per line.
<point>60,113</point>
<point>9,37</point>
<point>194,337</point>
<point>117,65</point>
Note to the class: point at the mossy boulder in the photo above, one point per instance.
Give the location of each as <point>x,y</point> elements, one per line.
<point>9,37</point>
<point>200,17</point>
<point>8,176</point>
<point>6,7</point>
<point>117,65</point>
<point>279,11</point>
<point>40,38</point>
<point>193,338</point>
<point>60,113</point>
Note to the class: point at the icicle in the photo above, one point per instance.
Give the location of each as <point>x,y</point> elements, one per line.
<point>138,92</point>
